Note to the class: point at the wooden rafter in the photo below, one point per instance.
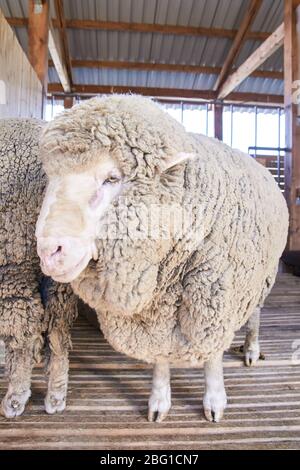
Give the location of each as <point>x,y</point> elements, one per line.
<point>61,25</point>
<point>209,95</point>
<point>148,28</point>
<point>58,61</point>
<point>267,48</point>
<point>238,42</point>
<point>129,65</point>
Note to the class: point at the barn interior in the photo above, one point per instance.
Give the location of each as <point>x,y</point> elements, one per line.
<point>229,69</point>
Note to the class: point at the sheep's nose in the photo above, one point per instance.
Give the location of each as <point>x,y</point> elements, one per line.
<point>50,251</point>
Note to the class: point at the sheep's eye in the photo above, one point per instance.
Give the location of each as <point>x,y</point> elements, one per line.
<point>111,180</point>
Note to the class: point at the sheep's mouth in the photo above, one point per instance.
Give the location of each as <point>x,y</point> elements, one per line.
<point>71,273</point>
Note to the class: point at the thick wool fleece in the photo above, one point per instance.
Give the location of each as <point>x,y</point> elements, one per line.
<point>31,305</point>
<point>176,299</point>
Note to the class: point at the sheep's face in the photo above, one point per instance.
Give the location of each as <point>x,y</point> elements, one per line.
<point>83,217</point>
<point>69,220</point>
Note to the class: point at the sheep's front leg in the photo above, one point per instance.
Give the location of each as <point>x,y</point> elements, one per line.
<point>215,400</point>
<point>251,346</point>
<point>160,398</point>
<point>19,364</point>
<point>58,369</point>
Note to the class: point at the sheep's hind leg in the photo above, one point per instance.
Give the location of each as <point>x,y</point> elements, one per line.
<point>214,401</point>
<point>58,368</point>
<point>19,363</point>
<point>251,346</point>
<point>160,398</point>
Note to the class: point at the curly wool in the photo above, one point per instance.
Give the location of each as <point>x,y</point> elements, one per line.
<point>129,128</point>
<point>180,300</point>
<point>30,304</point>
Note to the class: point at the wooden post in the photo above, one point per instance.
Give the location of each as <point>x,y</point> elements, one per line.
<point>292,159</point>
<point>38,27</point>
<point>218,121</point>
<point>69,101</point>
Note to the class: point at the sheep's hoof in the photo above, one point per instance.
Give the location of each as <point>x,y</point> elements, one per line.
<point>156,416</point>
<point>214,405</point>
<point>159,405</point>
<point>251,355</point>
<point>55,402</point>
<point>13,405</point>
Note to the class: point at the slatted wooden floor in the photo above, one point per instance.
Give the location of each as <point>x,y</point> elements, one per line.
<point>108,395</point>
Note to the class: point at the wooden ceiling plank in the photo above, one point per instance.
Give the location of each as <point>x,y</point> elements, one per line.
<point>148,28</point>
<point>130,65</point>
<point>208,95</point>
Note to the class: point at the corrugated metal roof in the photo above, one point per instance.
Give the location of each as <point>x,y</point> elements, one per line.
<point>208,13</point>
<point>161,48</point>
<point>147,47</point>
<point>143,78</point>
<point>17,8</point>
<point>262,85</point>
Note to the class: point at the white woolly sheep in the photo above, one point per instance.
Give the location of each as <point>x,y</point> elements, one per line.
<point>178,297</point>
<point>34,310</point>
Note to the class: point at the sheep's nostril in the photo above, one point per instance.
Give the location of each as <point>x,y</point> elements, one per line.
<point>51,253</point>
<point>57,251</point>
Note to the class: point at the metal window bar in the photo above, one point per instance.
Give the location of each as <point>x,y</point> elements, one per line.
<point>231,125</point>
<point>255,132</point>
<point>254,153</point>
<point>207,119</point>
<point>278,154</point>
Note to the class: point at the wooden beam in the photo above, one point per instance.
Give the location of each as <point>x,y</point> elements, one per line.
<point>218,121</point>
<point>238,42</point>
<point>255,98</point>
<point>17,22</point>
<point>271,45</point>
<point>104,89</point>
<point>61,24</point>
<point>208,95</point>
<point>58,60</point>
<point>291,101</point>
<point>148,28</point>
<point>69,102</point>
<point>38,38</point>
<point>129,65</point>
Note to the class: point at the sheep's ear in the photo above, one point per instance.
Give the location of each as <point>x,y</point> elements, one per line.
<point>180,157</point>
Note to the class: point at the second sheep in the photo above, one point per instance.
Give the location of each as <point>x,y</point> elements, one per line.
<point>35,311</point>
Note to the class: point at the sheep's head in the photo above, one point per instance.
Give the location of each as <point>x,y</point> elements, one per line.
<point>70,215</point>
<point>93,166</point>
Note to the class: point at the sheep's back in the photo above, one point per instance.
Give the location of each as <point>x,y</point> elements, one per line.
<point>245,201</point>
